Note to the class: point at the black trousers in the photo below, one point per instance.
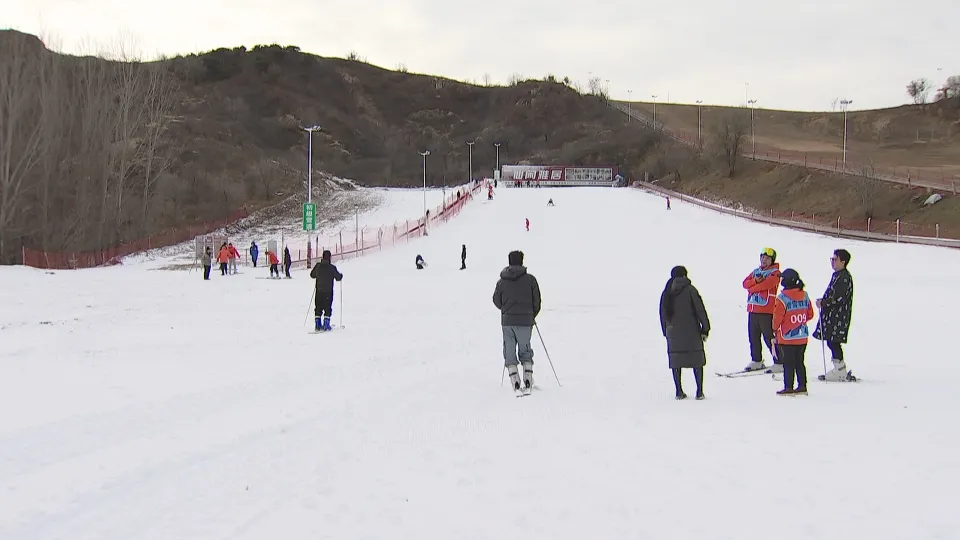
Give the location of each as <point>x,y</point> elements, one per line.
<point>760,326</point>
<point>286,268</point>
<point>463,263</point>
<point>836,349</point>
<point>791,356</point>
<point>678,384</point>
<point>223,269</point>
<point>324,304</point>
<point>206,271</point>
<point>274,270</point>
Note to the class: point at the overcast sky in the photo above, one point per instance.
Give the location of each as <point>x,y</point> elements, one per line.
<point>794,55</point>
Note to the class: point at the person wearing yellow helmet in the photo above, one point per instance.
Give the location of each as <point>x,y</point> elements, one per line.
<point>762,285</point>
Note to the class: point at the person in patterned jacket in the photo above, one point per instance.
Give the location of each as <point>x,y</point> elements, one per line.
<point>836,310</point>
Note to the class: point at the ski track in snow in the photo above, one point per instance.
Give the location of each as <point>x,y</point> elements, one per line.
<point>154,405</point>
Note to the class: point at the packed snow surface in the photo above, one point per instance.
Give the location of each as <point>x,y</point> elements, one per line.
<point>145,404</point>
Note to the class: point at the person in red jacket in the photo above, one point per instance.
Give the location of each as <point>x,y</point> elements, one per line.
<point>761,286</point>
<point>274,261</point>
<point>791,312</point>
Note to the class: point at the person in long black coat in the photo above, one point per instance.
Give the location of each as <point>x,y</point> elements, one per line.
<point>836,311</point>
<point>684,322</point>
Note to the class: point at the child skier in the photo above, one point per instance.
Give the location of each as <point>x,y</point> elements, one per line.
<point>791,311</point>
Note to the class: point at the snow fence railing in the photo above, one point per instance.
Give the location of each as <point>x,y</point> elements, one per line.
<point>837,232</point>
<point>355,243</point>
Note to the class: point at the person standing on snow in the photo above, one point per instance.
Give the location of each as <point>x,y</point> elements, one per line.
<point>836,310</point>
<point>517,296</point>
<point>684,322</point>
<point>234,256</point>
<point>207,260</point>
<point>287,261</point>
<point>254,253</point>
<point>463,258</point>
<point>528,224</point>
<point>223,257</point>
<point>274,261</point>
<point>761,286</point>
<point>324,273</point>
<point>791,312</point>
<point>420,262</point>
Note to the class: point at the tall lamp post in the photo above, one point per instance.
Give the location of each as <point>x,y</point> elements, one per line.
<point>630,106</point>
<point>753,134</point>
<point>843,105</point>
<point>699,136</point>
<point>310,130</point>
<point>425,153</point>
<point>498,154</point>
<point>470,152</point>
<point>654,111</point>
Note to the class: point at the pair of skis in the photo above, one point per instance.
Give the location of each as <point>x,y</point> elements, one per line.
<point>768,371</point>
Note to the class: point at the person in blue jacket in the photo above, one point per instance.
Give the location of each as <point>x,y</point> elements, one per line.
<point>254,253</point>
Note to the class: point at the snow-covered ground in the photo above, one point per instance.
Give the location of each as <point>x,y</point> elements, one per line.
<point>154,405</point>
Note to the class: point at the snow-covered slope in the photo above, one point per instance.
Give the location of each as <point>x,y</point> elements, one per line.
<point>154,405</point>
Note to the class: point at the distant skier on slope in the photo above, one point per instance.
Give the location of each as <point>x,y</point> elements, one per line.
<point>836,310</point>
<point>463,258</point>
<point>550,203</point>
<point>517,296</point>
<point>528,224</point>
<point>421,264</point>
<point>324,273</point>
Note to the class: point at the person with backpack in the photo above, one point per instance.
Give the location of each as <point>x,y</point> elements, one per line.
<point>792,310</point>
<point>684,322</point>
<point>325,272</point>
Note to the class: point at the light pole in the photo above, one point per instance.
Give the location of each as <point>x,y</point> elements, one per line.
<point>356,210</point>
<point>310,130</point>
<point>753,134</point>
<point>498,154</point>
<point>654,111</point>
<point>630,105</point>
<point>470,151</point>
<point>425,153</point>
<point>843,105</point>
<point>699,136</point>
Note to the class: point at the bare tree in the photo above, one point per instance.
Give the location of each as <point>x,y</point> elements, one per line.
<point>950,89</point>
<point>157,155</point>
<point>729,133</point>
<point>21,80</point>
<point>486,79</point>
<point>868,190</point>
<point>919,90</point>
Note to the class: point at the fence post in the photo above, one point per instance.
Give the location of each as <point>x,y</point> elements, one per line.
<point>868,224</point>
<point>838,226</point>
<point>938,230</point>
<point>898,230</point>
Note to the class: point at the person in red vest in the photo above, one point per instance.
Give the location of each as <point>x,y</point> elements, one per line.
<point>791,312</point>
<point>274,261</point>
<point>761,286</point>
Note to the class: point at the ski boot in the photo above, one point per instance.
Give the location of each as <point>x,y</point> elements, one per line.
<point>318,324</point>
<point>839,373</point>
<point>755,366</point>
<point>514,378</point>
<point>527,377</point>
<point>326,324</point>
<point>775,368</point>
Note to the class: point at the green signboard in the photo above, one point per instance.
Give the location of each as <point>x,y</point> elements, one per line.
<point>310,216</point>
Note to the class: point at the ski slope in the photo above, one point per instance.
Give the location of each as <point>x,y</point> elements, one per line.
<point>153,405</point>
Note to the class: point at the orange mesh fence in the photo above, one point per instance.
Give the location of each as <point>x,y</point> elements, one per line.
<point>89,259</point>
<point>349,243</point>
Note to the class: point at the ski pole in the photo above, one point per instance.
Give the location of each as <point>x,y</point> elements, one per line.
<point>823,354</point>
<point>312,298</point>
<point>341,304</point>
<point>547,353</point>
<point>502,373</point>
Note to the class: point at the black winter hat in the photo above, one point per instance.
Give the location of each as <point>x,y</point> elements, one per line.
<point>791,279</point>
<point>326,255</point>
<point>678,271</point>
<point>515,258</point>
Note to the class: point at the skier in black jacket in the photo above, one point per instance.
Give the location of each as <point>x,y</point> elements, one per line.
<point>836,310</point>
<point>324,273</point>
<point>517,296</point>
